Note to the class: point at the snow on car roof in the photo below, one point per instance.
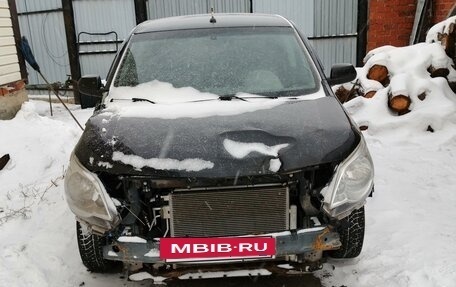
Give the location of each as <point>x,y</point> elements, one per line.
<point>202,21</point>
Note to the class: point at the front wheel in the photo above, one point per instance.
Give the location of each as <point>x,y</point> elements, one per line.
<point>351,232</point>
<point>91,251</point>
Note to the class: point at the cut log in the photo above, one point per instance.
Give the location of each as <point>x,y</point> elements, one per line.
<point>379,73</point>
<point>399,103</point>
<point>448,41</point>
<point>345,95</point>
<point>438,72</point>
<point>370,94</point>
<point>422,96</point>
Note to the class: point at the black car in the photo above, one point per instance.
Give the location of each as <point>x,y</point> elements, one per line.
<point>212,131</point>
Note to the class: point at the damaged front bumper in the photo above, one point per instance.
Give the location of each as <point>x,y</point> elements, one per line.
<point>302,241</point>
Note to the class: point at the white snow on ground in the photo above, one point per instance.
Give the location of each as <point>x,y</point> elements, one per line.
<point>189,164</point>
<point>37,230</point>
<point>144,276</point>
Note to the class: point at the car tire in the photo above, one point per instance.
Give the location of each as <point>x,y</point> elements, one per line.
<point>91,251</point>
<point>351,232</point>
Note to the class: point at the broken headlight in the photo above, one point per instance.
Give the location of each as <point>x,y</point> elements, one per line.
<point>352,182</point>
<point>87,197</point>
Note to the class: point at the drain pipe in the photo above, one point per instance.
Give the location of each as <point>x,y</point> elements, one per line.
<point>421,22</point>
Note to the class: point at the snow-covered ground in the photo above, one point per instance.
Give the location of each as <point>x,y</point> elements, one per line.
<point>410,226</point>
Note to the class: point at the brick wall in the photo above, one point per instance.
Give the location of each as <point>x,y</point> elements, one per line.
<point>391,21</point>
<point>442,8</point>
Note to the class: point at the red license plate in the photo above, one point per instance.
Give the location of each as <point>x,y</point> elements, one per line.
<point>217,248</point>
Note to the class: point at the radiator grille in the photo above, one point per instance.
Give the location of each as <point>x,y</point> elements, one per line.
<point>229,212</point>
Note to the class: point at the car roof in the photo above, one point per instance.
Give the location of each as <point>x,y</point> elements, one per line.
<point>202,21</point>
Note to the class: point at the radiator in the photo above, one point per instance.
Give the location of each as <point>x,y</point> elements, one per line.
<point>229,212</point>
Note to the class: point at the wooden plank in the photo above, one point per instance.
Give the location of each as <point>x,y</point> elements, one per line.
<point>10,59</point>
<point>4,4</point>
<point>17,37</point>
<point>8,50</point>
<point>7,41</point>
<point>6,31</point>
<point>4,13</point>
<point>9,69</point>
<point>6,79</point>
<point>5,22</point>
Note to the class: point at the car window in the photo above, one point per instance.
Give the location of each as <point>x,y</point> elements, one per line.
<point>222,61</point>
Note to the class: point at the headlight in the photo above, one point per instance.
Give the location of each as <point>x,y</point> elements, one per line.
<point>87,197</point>
<point>352,182</point>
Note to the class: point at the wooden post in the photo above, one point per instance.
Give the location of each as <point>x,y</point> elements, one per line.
<point>17,38</point>
<point>140,11</point>
<point>361,39</point>
<point>72,45</point>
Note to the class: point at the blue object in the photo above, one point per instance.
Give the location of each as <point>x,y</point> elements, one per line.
<point>28,54</point>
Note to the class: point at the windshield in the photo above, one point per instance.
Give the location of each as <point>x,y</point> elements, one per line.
<point>222,61</point>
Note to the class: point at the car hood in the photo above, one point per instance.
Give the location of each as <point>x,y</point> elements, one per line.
<point>285,136</point>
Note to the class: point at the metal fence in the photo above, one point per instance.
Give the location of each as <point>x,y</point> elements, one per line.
<point>42,23</point>
<point>168,8</point>
<point>331,25</point>
<point>101,25</point>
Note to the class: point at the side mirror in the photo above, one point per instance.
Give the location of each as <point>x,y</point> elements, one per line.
<point>90,90</point>
<point>342,73</point>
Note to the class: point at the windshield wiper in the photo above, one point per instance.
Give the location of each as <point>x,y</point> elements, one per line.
<point>230,97</point>
<point>142,100</point>
<point>133,100</point>
<point>266,95</point>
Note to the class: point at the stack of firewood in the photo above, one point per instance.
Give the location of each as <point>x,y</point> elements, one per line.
<point>399,102</point>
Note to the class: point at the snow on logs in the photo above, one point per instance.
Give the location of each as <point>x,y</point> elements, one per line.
<point>401,73</point>
<point>444,33</point>
<point>398,99</point>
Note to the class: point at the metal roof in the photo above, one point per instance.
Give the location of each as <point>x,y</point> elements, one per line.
<point>202,21</point>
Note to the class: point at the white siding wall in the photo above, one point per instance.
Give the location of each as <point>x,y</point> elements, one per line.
<point>9,66</point>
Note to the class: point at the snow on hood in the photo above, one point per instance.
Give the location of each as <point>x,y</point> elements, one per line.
<point>190,164</point>
<point>408,74</point>
<point>187,102</point>
<point>240,150</point>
